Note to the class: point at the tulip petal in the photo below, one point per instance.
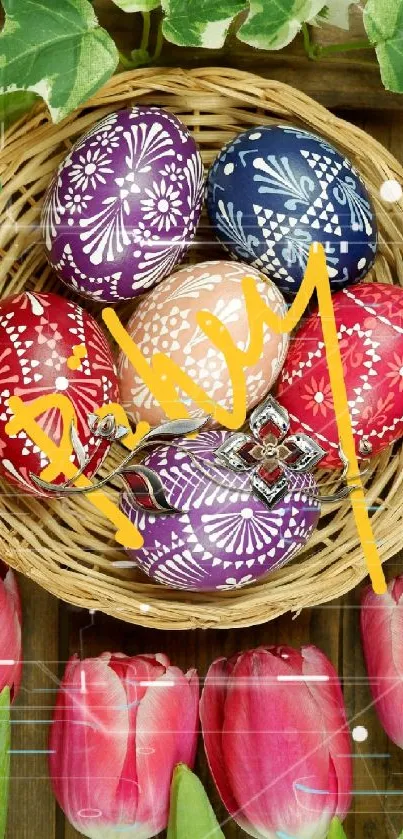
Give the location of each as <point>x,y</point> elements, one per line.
<point>166,735</point>
<point>382,639</point>
<point>395,588</point>
<point>88,743</point>
<point>212,708</point>
<point>10,634</point>
<point>135,674</point>
<point>329,701</point>
<point>276,761</point>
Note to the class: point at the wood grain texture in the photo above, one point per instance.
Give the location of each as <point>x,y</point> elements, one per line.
<point>32,810</point>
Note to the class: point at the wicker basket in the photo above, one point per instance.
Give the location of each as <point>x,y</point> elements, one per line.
<point>66,546</point>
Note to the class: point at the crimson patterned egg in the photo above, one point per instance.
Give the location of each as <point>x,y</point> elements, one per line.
<point>51,348</point>
<point>369,320</point>
<point>124,205</point>
<point>223,536</point>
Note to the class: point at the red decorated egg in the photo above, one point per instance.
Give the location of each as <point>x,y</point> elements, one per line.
<point>50,347</point>
<point>369,321</point>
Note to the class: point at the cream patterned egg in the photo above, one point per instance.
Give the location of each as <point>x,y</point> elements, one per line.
<point>223,536</point>
<point>165,322</point>
<point>51,352</point>
<point>275,190</point>
<point>124,205</point>
<point>369,319</point>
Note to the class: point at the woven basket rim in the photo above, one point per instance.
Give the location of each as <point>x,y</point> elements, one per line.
<point>41,542</point>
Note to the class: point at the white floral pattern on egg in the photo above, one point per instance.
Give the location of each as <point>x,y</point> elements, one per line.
<point>166,322</point>
<point>124,205</point>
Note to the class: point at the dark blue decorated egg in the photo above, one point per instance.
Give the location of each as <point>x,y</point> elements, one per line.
<point>274,190</point>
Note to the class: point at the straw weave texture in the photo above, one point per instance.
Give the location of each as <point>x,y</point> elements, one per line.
<point>66,545</point>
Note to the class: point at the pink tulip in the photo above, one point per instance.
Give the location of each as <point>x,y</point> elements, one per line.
<point>120,727</point>
<point>10,632</point>
<point>277,741</point>
<point>382,639</point>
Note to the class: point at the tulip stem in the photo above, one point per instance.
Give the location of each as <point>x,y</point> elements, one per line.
<point>5,742</point>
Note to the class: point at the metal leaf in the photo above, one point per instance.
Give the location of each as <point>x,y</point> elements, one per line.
<point>271,489</point>
<point>176,428</point>
<point>78,446</point>
<point>305,453</point>
<point>269,418</point>
<point>146,490</point>
<point>229,454</point>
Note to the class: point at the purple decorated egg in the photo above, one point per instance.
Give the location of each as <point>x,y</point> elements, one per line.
<point>124,205</point>
<point>223,536</point>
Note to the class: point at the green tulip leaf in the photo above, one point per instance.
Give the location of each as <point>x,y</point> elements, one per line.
<point>336,830</point>
<point>137,5</point>
<point>383,21</point>
<point>57,49</point>
<point>204,23</point>
<point>5,741</point>
<point>272,25</point>
<point>191,815</point>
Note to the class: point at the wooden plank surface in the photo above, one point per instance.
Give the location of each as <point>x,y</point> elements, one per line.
<point>32,810</point>
<point>49,638</point>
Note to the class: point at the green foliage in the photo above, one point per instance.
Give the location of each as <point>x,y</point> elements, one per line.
<point>383,21</point>
<point>57,49</point>
<point>137,5</point>
<point>191,815</point>
<point>15,105</point>
<point>204,23</point>
<point>5,740</point>
<point>271,26</point>
<point>337,12</point>
<point>336,830</point>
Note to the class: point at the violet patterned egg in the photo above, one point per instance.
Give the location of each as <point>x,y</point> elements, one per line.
<point>275,190</point>
<point>165,323</point>
<point>124,205</point>
<point>52,353</point>
<point>224,537</point>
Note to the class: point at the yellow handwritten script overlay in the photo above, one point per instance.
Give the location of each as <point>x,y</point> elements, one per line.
<point>163,378</point>
<point>24,419</point>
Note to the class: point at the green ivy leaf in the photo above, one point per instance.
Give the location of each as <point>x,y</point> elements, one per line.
<point>383,21</point>
<point>137,5</point>
<point>15,105</point>
<point>337,13</point>
<point>191,815</point>
<point>56,49</point>
<point>204,23</point>
<point>271,25</point>
<point>336,830</point>
<point>5,740</point>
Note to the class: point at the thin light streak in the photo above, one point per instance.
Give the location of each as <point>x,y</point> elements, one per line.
<point>303,678</point>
